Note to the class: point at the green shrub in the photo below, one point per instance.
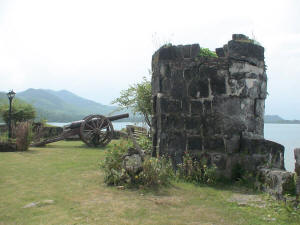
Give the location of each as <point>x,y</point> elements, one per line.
<point>155,172</point>
<point>112,164</point>
<point>196,171</point>
<point>205,52</point>
<point>146,144</point>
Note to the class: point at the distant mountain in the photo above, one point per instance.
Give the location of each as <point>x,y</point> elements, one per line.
<point>63,106</point>
<point>278,119</point>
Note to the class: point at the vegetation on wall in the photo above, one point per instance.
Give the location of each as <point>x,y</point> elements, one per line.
<point>196,171</point>
<point>205,52</point>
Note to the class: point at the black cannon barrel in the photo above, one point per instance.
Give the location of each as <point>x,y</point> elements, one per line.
<point>118,117</point>
<point>77,124</point>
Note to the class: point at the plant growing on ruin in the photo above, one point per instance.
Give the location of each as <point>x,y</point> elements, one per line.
<point>205,52</point>
<point>112,164</point>
<point>155,172</point>
<point>138,98</point>
<point>193,170</point>
<point>145,143</point>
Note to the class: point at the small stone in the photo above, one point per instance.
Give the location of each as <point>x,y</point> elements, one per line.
<point>133,163</point>
<point>48,201</point>
<point>120,187</point>
<point>30,205</point>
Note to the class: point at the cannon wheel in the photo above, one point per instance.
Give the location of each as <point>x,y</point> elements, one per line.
<point>96,130</point>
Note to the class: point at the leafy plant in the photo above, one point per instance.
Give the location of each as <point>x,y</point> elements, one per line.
<point>137,97</point>
<point>205,52</point>
<point>112,164</point>
<point>146,144</point>
<point>193,170</point>
<point>20,112</point>
<point>155,172</point>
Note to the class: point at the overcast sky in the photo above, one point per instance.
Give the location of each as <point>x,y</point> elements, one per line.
<point>97,48</point>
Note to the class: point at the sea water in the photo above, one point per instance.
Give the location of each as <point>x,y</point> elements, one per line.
<point>289,136</point>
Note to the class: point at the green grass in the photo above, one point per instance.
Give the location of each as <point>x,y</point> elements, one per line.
<point>68,173</point>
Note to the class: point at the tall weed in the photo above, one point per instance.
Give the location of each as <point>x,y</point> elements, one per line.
<point>196,171</point>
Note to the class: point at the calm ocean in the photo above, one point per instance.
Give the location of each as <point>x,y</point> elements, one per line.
<point>289,136</point>
<point>286,134</point>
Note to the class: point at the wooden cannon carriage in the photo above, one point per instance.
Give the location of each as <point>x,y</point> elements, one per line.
<point>94,130</point>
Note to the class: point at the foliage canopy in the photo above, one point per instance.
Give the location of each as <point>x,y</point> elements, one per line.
<point>205,52</point>
<point>138,98</point>
<point>20,112</point>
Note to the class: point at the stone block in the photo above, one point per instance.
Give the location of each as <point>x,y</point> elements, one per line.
<point>219,160</point>
<point>169,53</point>
<point>217,82</point>
<point>176,145</point>
<point>259,107</point>
<point>297,158</point>
<point>197,108</point>
<point>207,107</point>
<point>273,150</point>
<point>132,163</point>
<point>246,51</point>
<point>194,142</point>
<point>276,182</point>
<point>238,70</point>
<point>232,144</point>
<point>165,70</point>
<point>193,123</point>
<point>185,50</point>
<point>213,143</point>
<point>220,52</point>
<point>161,104</point>
<point>173,121</point>
<point>190,73</point>
<point>155,83</point>
<point>198,88</point>
<point>263,90</point>
<point>237,37</point>
<point>195,49</point>
<point>245,87</point>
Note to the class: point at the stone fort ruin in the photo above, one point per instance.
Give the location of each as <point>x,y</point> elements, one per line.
<point>213,107</point>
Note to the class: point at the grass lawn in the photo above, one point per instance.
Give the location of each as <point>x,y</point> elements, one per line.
<point>68,173</point>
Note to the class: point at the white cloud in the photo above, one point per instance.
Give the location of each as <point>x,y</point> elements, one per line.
<point>97,48</point>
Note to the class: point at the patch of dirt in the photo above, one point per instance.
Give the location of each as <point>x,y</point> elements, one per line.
<point>165,200</point>
<point>248,200</point>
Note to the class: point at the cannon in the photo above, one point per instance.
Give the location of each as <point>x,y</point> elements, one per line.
<point>94,130</point>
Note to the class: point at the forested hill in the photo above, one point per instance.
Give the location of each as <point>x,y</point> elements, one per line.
<point>278,119</point>
<point>62,106</point>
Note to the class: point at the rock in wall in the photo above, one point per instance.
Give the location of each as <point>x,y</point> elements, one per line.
<point>213,106</point>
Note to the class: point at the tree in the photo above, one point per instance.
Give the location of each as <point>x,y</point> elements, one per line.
<point>20,112</point>
<point>138,98</point>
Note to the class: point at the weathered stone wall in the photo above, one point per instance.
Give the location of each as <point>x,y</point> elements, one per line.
<point>213,107</point>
